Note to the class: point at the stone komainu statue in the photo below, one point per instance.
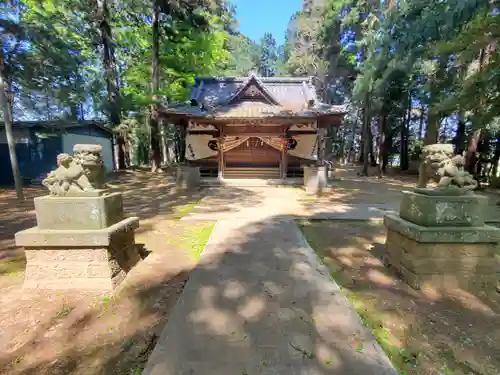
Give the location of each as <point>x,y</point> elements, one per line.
<point>78,175</point>
<point>439,165</point>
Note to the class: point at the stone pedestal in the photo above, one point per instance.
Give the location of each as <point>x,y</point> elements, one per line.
<point>80,243</point>
<point>315,179</point>
<point>442,242</point>
<point>188,177</point>
<point>423,208</point>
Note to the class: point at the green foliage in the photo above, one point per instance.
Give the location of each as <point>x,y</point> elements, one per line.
<point>54,52</point>
<point>268,56</point>
<point>390,58</point>
<point>76,59</point>
<point>49,58</point>
<point>303,48</point>
<point>245,55</point>
<point>182,57</point>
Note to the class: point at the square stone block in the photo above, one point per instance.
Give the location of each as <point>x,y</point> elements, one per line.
<point>421,250</point>
<point>434,210</point>
<point>315,179</point>
<point>426,258</point>
<point>70,213</point>
<point>188,177</point>
<point>86,259</point>
<point>36,237</point>
<point>471,282</point>
<point>448,234</point>
<point>470,266</point>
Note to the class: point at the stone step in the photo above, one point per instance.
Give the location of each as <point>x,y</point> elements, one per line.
<point>248,173</point>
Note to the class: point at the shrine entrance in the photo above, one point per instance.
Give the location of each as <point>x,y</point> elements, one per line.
<point>253,152</point>
<point>248,157</point>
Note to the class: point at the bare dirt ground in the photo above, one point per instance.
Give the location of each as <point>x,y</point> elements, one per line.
<point>349,188</point>
<point>89,333</point>
<point>83,333</point>
<point>424,332</point>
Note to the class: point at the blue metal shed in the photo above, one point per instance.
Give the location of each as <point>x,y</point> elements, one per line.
<point>39,142</point>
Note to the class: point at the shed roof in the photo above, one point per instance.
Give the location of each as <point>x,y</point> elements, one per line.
<point>59,124</point>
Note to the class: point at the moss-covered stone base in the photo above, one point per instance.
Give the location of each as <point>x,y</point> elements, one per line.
<point>423,260</point>
<point>435,210</point>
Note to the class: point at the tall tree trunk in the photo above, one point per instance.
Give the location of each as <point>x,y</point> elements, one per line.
<point>180,142</point>
<point>405,130</point>
<point>421,123</point>
<point>361,156</point>
<point>182,137</point>
<point>164,146</point>
<point>111,74</point>
<point>373,159</point>
<point>122,151</point>
<point>366,137</point>
<point>154,125</point>
<point>470,157</point>
<point>350,154</point>
<point>496,158</point>
<point>432,132</point>
<point>387,148</point>
<point>6,106</point>
<point>459,140</point>
<point>382,152</point>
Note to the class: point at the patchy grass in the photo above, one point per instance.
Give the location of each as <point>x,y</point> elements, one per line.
<point>422,332</point>
<point>12,267</point>
<point>182,210</point>
<point>401,357</point>
<point>190,238</point>
<point>64,312</point>
<point>197,239</point>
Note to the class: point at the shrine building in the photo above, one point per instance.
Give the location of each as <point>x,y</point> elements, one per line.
<point>252,127</point>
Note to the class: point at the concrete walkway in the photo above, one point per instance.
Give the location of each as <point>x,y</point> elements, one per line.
<point>245,203</point>
<point>260,303</point>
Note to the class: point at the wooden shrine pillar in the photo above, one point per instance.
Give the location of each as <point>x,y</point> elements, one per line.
<point>284,159</point>
<point>321,133</point>
<point>220,174</point>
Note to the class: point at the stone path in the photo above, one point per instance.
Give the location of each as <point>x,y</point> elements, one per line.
<point>258,303</point>
<point>247,203</point>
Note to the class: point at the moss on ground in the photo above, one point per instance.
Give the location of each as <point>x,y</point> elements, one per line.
<point>197,238</point>
<point>184,209</point>
<point>13,266</point>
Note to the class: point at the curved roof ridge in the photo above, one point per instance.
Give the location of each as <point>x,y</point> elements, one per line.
<point>283,79</point>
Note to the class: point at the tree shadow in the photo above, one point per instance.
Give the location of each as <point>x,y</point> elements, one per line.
<point>239,301</point>
<point>16,216</point>
<point>255,304</point>
<point>436,329</point>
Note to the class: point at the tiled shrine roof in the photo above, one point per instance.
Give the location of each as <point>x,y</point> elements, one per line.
<point>253,97</point>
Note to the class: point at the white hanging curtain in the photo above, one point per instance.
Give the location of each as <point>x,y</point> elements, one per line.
<point>197,147</point>
<point>306,147</point>
<point>274,142</point>
<point>232,142</point>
